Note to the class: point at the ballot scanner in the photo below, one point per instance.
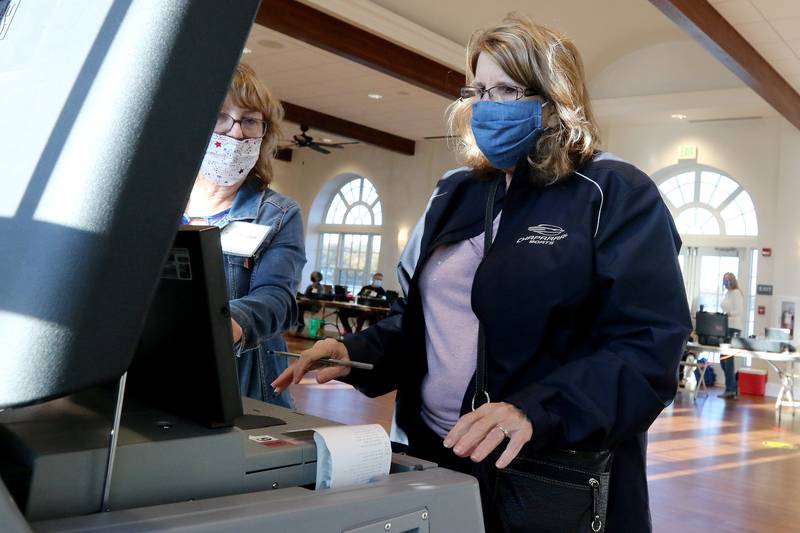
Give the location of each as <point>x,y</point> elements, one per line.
<point>96,431</point>
<point>170,473</point>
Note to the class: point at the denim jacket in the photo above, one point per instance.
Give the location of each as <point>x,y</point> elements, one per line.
<point>262,288</point>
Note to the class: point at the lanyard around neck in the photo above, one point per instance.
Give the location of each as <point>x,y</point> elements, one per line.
<point>480,369</point>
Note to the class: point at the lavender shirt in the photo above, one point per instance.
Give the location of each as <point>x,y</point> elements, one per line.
<point>451,329</point>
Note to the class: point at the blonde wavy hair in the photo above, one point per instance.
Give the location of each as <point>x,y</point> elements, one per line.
<point>247,91</point>
<point>540,59</point>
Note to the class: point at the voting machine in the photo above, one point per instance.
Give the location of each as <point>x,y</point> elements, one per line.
<point>115,101</point>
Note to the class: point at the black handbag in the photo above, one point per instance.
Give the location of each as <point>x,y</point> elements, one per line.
<point>547,490</point>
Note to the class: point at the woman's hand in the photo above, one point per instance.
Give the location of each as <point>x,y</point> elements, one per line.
<point>308,361</point>
<point>478,433</point>
<point>237,331</point>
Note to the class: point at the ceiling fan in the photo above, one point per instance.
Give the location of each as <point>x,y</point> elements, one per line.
<point>304,140</point>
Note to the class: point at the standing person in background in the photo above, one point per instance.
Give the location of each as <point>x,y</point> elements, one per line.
<point>582,356</point>
<point>233,185</point>
<point>732,305</point>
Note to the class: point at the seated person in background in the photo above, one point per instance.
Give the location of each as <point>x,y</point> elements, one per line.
<point>373,290</point>
<point>311,291</point>
<point>316,285</point>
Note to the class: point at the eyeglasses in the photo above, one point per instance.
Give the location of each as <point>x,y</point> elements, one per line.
<point>498,93</point>
<point>252,128</point>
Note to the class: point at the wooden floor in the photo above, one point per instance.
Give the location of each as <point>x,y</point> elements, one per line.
<point>714,466</point>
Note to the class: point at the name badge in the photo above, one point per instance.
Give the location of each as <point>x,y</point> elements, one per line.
<point>243,238</point>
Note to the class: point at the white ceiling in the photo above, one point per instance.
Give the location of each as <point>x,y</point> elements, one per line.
<point>772,27</point>
<point>616,37</point>
<point>602,30</point>
<point>311,77</point>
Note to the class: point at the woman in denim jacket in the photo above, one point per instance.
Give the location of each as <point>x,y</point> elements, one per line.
<point>233,186</point>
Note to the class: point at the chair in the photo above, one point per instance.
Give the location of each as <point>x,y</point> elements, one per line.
<point>340,293</point>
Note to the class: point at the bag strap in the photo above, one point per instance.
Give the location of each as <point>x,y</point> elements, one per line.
<point>480,369</point>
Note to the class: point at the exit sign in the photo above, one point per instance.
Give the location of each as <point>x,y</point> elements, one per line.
<point>764,290</point>
<point>687,152</point>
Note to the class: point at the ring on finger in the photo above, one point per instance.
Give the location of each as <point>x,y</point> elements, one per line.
<point>504,430</point>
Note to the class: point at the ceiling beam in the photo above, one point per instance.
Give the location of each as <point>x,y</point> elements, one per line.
<point>700,20</point>
<point>345,128</point>
<point>324,31</point>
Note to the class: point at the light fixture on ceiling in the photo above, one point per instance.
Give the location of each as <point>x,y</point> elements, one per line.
<point>679,116</point>
<point>267,43</point>
<point>375,96</point>
<point>246,51</point>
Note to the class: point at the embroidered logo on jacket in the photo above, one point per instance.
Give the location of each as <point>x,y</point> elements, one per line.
<point>546,234</point>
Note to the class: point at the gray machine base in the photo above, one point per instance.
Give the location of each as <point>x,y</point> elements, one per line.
<point>436,500</point>
<point>191,478</point>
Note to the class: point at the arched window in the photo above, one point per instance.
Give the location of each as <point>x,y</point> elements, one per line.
<point>706,202</point>
<point>350,240</point>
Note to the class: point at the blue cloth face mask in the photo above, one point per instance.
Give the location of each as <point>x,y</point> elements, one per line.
<point>506,131</point>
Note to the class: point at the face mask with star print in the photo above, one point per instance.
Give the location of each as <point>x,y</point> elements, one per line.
<point>228,160</point>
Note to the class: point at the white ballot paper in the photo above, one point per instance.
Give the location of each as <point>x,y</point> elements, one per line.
<point>243,238</point>
<point>351,455</point>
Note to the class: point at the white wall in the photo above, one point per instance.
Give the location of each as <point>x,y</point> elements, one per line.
<point>670,67</point>
<point>404,184</point>
<point>787,246</point>
<point>747,150</point>
<point>764,156</point>
<point>787,243</point>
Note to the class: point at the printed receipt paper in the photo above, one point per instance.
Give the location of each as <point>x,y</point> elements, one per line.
<point>351,455</point>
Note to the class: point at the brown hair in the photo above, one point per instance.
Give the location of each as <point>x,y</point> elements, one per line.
<point>247,91</point>
<point>540,59</point>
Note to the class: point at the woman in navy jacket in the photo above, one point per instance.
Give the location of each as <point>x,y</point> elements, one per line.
<point>580,295</point>
<point>233,186</point>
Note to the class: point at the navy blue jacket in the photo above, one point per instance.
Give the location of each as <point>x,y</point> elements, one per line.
<point>584,309</point>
